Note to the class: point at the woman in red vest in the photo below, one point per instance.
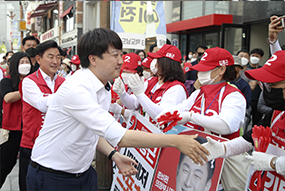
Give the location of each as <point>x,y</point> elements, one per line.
<point>160,92</point>
<point>272,73</point>
<point>20,66</point>
<point>216,107</point>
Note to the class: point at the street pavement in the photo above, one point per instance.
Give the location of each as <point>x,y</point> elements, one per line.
<point>11,182</point>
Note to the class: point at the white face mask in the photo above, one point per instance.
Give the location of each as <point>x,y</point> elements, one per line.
<point>205,77</point>
<point>244,61</point>
<point>190,56</point>
<point>73,67</point>
<point>152,66</point>
<point>254,60</point>
<point>146,74</point>
<point>126,76</point>
<point>24,69</point>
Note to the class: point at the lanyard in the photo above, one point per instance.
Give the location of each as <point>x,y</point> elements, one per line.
<point>153,90</point>
<point>202,104</point>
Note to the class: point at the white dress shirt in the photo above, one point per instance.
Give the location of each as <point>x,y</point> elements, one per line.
<point>77,116</point>
<point>34,96</point>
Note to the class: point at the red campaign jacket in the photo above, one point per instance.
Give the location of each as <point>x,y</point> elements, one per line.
<point>12,115</point>
<point>33,119</point>
<point>212,92</point>
<point>157,95</point>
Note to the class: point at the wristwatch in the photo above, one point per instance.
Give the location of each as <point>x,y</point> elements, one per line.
<point>274,162</point>
<point>270,42</point>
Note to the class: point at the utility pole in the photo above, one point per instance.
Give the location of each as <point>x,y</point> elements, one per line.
<point>21,18</point>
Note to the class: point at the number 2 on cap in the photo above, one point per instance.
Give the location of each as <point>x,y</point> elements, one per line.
<point>204,56</point>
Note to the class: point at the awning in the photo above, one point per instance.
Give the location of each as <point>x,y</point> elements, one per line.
<point>199,22</point>
<point>67,11</point>
<point>42,9</point>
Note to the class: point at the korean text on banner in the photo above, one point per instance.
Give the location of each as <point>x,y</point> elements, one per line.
<point>270,179</point>
<point>146,159</point>
<point>129,20</point>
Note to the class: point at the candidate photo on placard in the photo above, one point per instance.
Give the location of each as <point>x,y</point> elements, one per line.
<point>175,171</point>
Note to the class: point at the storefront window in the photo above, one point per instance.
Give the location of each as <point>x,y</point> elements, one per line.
<point>212,40</point>
<point>69,23</point>
<point>233,40</point>
<point>183,44</point>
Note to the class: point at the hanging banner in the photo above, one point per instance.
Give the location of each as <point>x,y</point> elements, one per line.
<point>129,19</point>
<point>16,35</point>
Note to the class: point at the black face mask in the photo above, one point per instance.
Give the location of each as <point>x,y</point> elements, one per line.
<point>274,98</point>
<point>31,52</point>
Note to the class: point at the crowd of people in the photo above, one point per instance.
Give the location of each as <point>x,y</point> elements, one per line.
<point>58,111</point>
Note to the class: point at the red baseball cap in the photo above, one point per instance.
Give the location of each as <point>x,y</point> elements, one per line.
<point>212,58</point>
<point>187,66</point>
<point>167,51</point>
<point>131,62</point>
<point>75,60</point>
<point>272,71</point>
<point>146,62</point>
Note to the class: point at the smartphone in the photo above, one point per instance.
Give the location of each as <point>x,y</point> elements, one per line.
<point>282,23</point>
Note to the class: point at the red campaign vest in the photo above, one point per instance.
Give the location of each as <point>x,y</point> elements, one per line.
<point>212,92</point>
<point>12,115</point>
<point>278,128</point>
<point>157,95</point>
<point>271,180</point>
<point>33,119</point>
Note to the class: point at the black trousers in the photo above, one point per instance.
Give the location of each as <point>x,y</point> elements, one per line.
<point>40,179</point>
<point>25,155</point>
<point>8,154</point>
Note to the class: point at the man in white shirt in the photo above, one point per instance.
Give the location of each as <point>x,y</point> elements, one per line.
<point>77,123</point>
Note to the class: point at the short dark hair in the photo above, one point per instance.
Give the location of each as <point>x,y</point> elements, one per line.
<point>152,47</point>
<point>243,50</point>
<point>201,46</point>
<point>30,38</point>
<point>138,51</point>
<point>257,51</point>
<point>41,48</point>
<point>139,70</point>
<point>13,68</point>
<point>63,53</point>
<point>211,164</point>
<point>8,53</point>
<point>230,73</point>
<point>96,42</point>
<point>283,47</point>
<point>170,70</point>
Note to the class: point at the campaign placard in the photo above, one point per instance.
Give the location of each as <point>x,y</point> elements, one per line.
<point>145,157</point>
<point>175,171</point>
<point>270,180</point>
